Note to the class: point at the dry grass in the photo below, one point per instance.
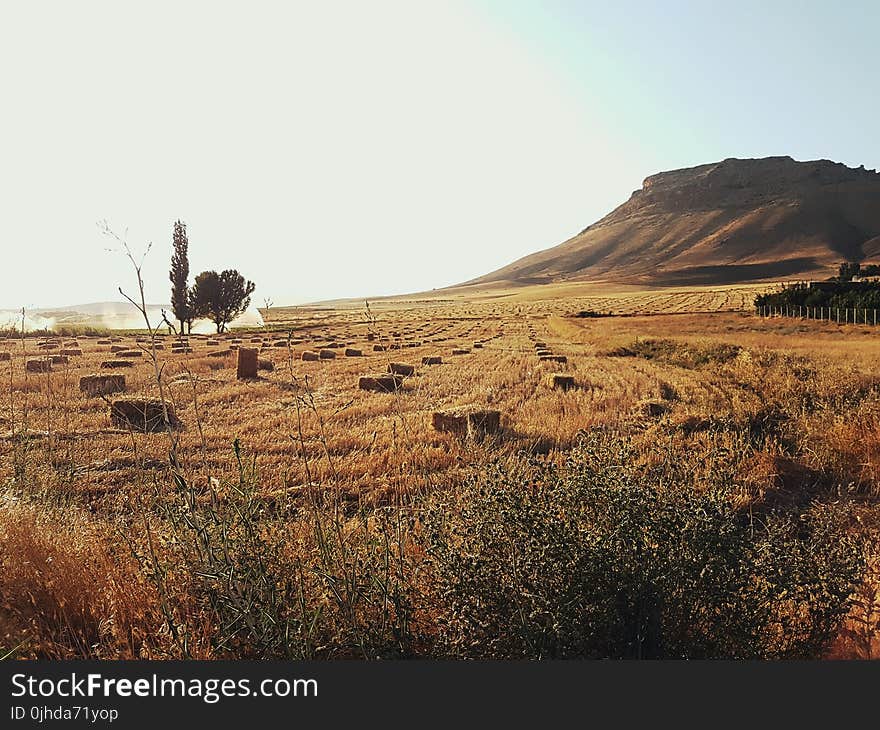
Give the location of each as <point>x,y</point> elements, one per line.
<point>796,406</point>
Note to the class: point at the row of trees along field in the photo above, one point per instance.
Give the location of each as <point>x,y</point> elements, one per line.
<point>219,297</point>
<point>832,294</point>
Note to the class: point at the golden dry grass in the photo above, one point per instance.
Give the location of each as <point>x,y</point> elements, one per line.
<point>72,482</point>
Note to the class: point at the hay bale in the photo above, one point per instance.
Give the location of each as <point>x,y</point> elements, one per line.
<point>59,359</point>
<point>380,383</point>
<point>478,345</point>
<point>460,351</point>
<point>220,353</point>
<point>540,345</point>
<point>117,348</point>
<point>5,356</point>
<point>401,368</point>
<point>104,342</point>
<point>279,343</point>
<point>40,365</point>
<point>248,363</point>
<point>310,356</point>
<point>144,415</point>
<point>213,343</point>
<point>560,381</point>
<point>328,355</point>
<point>370,336</point>
<point>48,346</point>
<point>93,385</point>
<point>482,422</point>
<point>449,421</point>
<point>379,348</point>
<point>352,352</point>
<point>554,358</point>
<point>113,364</point>
<point>130,353</point>
<point>432,360</point>
<point>543,353</point>
<point>72,352</point>
<point>475,422</point>
<point>176,350</point>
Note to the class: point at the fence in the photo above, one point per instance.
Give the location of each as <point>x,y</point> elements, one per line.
<point>840,315</point>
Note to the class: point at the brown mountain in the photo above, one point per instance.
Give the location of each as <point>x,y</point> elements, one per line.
<point>727,222</point>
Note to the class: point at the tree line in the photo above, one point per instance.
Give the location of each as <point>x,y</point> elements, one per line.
<point>833,294</point>
<point>220,297</point>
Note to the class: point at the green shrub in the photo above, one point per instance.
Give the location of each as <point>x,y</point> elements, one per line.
<point>600,560</point>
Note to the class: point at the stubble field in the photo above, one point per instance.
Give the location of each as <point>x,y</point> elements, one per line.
<point>287,515</point>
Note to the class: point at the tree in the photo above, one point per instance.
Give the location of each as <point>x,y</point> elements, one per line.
<point>179,275</point>
<point>220,297</point>
<point>847,270</point>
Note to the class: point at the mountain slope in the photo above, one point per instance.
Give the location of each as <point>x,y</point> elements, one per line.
<point>727,222</point>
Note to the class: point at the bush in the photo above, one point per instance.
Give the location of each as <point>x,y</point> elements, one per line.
<point>599,561</point>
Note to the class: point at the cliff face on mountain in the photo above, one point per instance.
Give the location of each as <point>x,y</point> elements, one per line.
<point>730,221</point>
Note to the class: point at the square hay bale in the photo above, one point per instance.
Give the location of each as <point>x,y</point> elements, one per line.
<point>175,350</point>
<point>554,358</point>
<point>72,352</point>
<point>482,422</point>
<point>560,381</point>
<point>117,348</point>
<point>94,385</point>
<point>540,345</point>
<point>327,355</point>
<point>5,356</point>
<point>48,346</point>
<point>432,360</point>
<point>353,352</point>
<point>401,368</point>
<point>130,353</point>
<point>220,353</point>
<point>379,348</point>
<point>310,356</point>
<point>475,422</point>
<point>59,359</point>
<point>370,336</point>
<point>386,383</point>
<point>279,343</point>
<point>543,352</point>
<point>144,415</point>
<point>40,365</point>
<point>449,421</point>
<point>267,365</point>
<point>460,351</point>
<point>113,364</point>
<point>248,363</point>
<point>104,342</point>
<point>478,345</point>
<point>213,343</point>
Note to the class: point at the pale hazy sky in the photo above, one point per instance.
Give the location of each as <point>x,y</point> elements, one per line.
<point>332,149</point>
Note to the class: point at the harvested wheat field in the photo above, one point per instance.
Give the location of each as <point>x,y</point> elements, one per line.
<point>358,496</point>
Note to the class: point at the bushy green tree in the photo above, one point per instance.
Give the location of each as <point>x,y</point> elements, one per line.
<point>220,297</point>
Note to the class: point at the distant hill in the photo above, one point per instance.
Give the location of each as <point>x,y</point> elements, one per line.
<point>727,222</point>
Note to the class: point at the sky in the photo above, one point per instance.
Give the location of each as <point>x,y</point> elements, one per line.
<point>354,149</point>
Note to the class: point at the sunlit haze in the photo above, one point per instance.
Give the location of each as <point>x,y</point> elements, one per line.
<point>357,149</point>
